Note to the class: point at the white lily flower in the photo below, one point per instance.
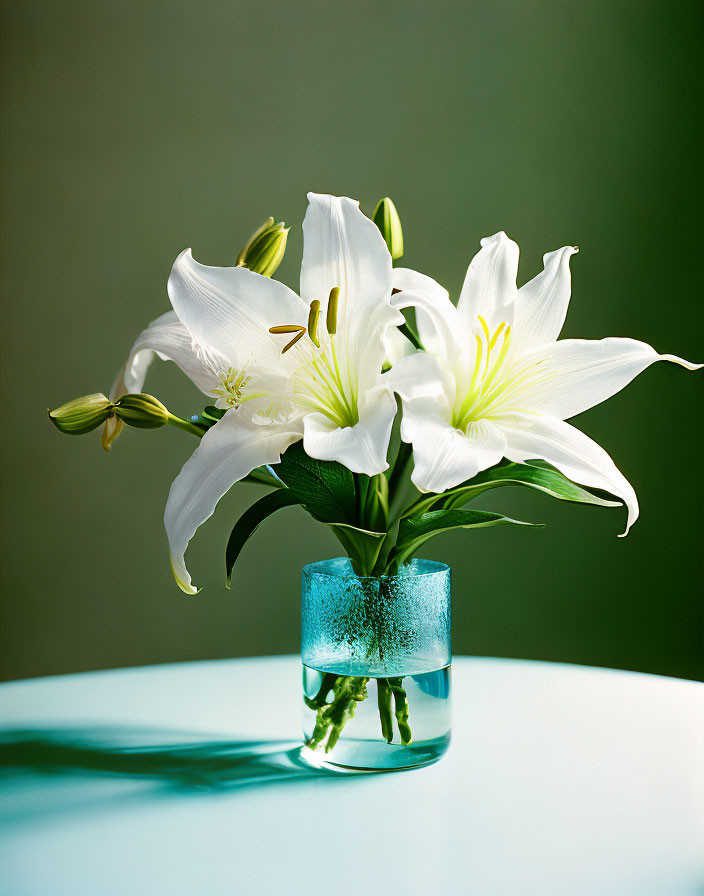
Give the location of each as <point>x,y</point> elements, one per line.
<point>494,383</point>
<point>284,366</point>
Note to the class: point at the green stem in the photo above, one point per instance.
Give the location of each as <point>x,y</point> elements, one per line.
<point>361,484</point>
<point>392,564</point>
<point>179,423</point>
<point>371,513</point>
<point>383,692</point>
<point>411,334</point>
<point>383,555</point>
<point>347,692</point>
<point>401,710</point>
<point>377,510</point>
<point>326,685</point>
<point>399,468</point>
<point>332,717</point>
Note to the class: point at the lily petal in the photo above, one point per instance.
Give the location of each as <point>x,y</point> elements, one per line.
<point>441,329</point>
<point>362,448</point>
<point>396,346</point>
<point>443,457</point>
<point>407,278</point>
<point>541,304</point>
<point>170,340</point>
<point>230,310</point>
<point>582,373</point>
<point>366,343</point>
<point>421,375</point>
<point>489,288</point>
<point>415,282</point>
<point>574,454</point>
<point>230,450</point>
<point>342,247</point>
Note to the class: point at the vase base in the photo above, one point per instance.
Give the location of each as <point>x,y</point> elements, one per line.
<point>376,756</point>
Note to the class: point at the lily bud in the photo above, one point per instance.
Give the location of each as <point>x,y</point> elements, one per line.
<point>82,414</point>
<point>265,249</point>
<point>142,410</point>
<point>387,220</point>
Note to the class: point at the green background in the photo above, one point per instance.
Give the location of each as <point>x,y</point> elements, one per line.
<point>133,130</point>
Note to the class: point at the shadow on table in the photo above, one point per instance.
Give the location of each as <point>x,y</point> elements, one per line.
<point>185,766</point>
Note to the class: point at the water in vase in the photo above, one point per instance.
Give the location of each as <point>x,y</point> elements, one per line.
<point>374,722</point>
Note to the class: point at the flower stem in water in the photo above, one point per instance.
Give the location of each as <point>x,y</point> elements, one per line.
<point>347,692</point>
<point>401,710</point>
<point>326,685</point>
<point>332,717</point>
<point>383,693</point>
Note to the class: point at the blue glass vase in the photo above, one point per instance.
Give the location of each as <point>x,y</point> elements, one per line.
<point>376,658</point>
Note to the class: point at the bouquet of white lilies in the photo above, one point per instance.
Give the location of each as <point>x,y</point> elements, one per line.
<point>303,388</point>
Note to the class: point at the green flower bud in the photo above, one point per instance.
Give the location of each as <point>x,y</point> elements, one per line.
<point>265,249</point>
<point>142,410</point>
<point>82,414</point>
<point>387,220</point>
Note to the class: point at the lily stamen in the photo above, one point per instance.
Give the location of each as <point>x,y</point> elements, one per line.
<point>301,333</point>
<point>233,384</point>
<point>331,318</point>
<point>496,335</point>
<point>481,387</point>
<point>288,328</point>
<point>313,321</point>
<point>491,375</point>
<point>313,318</point>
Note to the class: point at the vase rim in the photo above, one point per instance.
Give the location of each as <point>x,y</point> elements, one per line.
<point>341,568</point>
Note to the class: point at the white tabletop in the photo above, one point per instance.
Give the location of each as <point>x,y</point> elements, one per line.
<point>181,780</point>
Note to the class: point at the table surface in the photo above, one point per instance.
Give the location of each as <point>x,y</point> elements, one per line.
<point>184,779</point>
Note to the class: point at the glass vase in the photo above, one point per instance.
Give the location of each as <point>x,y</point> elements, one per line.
<point>376,658</point>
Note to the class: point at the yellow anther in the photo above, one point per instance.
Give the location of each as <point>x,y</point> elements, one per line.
<point>313,317</point>
<point>299,335</point>
<point>331,319</point>
<point>233,383</point>
<point>287,328</point>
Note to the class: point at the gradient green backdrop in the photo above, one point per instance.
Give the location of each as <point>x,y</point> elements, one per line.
<point>134,129</point>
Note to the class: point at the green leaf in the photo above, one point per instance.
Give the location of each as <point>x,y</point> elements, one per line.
<point>327,492</point>
<point>208,417</point>
<point>264,476</point>
<point>415,531</point>
<point>362,545</point>
<point>250,521</point>
<point>535,474</point>
<point>326,487</point>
